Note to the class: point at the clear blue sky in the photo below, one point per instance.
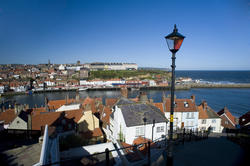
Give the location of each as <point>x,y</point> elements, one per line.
<point>217,32</point>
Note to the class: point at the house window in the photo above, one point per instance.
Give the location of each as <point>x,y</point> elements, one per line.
<point>213,121</point>
<point>187,123</point>
<point>192,115</point>
<point>203,121</point>
<point>191,123</point>
<point>212,128</point>
<point>17,121</point>
<point>160,129</point>
<point>139,131</point>
<point>226,122</point>
<point>188,115</point>
<point>203,128</point>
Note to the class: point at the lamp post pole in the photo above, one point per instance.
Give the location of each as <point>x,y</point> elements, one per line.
<point>170,144</point>
<point>174,41</point>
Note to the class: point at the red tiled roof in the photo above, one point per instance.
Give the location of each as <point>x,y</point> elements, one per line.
<point>97,132</point>
<point>106,114</point>
<point>90,134</point>
<point>180,105</point>
<point>93,102</point>
<point>55,104</point>
<point>8,116</point>
<point>51,118</point>
<point>202,113</point>
<point>160,106</point>
<point>228,114</point>
<point>37,111</point>
<point>110,101</point>
<point>140,140</point>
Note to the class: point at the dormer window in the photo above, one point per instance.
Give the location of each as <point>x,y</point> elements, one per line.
<point>185,104</point>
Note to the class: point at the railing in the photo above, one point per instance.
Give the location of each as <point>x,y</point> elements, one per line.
<point>180,136</point>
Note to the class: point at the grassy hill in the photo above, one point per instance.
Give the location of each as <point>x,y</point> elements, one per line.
<point>130,74</point>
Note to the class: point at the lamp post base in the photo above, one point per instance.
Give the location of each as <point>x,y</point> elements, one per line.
<point>169,161</point>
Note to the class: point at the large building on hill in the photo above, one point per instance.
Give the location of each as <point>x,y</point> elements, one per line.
<point>111,66</point>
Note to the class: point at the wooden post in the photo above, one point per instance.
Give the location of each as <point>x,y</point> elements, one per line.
<point>107,156</point>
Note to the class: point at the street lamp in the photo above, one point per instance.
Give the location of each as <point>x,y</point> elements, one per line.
<point>174,41</point>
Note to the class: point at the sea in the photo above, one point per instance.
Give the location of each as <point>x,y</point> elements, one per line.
<point>237,100</point>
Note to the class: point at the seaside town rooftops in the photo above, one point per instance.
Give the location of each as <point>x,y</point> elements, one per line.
<point>206,112</point>
<point>8,116</point>
<point>110,101</point>
<point>123,100</point>
<point>69,107</point>
<point>228,114</point>
<point>55,118</point>
<point>181,105</point>
<point>137,114</point>
<point>105,116</point>
<point>55,104</point>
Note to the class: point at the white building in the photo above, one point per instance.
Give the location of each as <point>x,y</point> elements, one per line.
<point>111,66</point>
<point>69,107</point>
<point>185,113</point>
<point>208,118</point>
<point>152,83</point>
<point>130,120</point>
<point>61,67</point>
<point>1,89</point>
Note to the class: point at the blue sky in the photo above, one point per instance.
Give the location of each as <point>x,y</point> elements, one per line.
<point>217,32</point>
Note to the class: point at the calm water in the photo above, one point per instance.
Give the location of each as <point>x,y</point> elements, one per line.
<point>217,76</point>
<point>237,100</point>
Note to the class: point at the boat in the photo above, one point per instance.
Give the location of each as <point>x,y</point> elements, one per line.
<point>135,89</point>
<point>83,89</point>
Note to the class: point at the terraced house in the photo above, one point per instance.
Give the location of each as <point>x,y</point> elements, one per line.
<point>185,112</point>
<point>130,120</point>
<point>208,118</point>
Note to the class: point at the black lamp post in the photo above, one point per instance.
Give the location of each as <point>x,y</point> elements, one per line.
<point>174,41</point>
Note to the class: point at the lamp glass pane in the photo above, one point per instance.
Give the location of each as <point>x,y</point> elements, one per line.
<point>170,43</point>
<point>177,43</point>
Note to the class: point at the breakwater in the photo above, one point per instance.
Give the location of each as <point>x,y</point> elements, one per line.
<point>219,85</point>
<point>177,87</point>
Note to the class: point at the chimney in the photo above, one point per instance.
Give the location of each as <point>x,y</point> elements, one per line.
<point>16,108</point>
<point>124,92</point>
<point>29,124</point>
<point>46,104</point>
<point>143,97</point>
<point>204,104</point>
<point>87,107</point>
<point>237,121</point>
<point>67,98</point>
<point>193,98</point>
<point>163,97</point>
<point>27,106</point>
<point>77,96</point>
<point>225,109</point>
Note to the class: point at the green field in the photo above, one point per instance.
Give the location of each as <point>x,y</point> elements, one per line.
<point>129,74</point>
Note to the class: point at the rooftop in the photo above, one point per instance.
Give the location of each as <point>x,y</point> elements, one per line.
<point>135,114</point>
